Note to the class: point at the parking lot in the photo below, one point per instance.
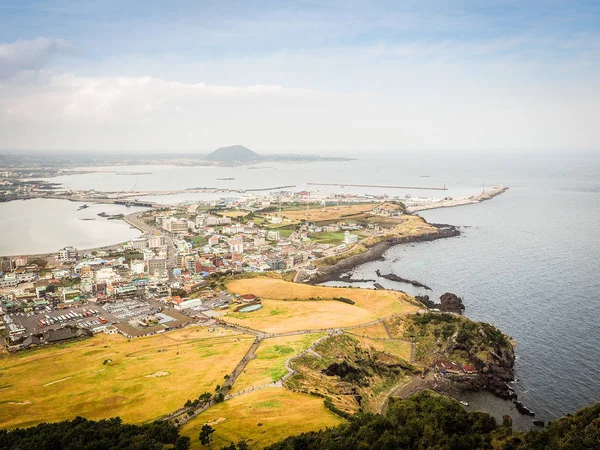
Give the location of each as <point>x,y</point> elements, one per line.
<point>85,316</point>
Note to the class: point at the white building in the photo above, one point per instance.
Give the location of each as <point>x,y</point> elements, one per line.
<point>236,246</point>
<point>67,254</point>
<point>273,235</point>
<point>137,267</point>
<point>104,274</point>
<point>157,241</point>
<point>176,226</point>
<point>138,244</point>
<point>350,239</point>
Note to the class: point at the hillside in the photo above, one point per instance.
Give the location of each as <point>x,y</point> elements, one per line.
<point>233,153</point>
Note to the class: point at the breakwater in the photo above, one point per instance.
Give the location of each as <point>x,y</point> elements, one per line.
<point>450,203</point>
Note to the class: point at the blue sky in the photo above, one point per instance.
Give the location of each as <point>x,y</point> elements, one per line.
<point>308,75</point>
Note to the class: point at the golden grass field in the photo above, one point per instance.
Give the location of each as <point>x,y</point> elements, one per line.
<point>401,349</point>
<point>328,213</point>
<point>374,331</point>
<point>269,364</point>
<point>282,413</point>
<point>278,315</point>
<point>140,384</point>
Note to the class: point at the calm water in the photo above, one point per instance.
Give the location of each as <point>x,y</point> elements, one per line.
<point>527,262</point>
<point>44,225</point>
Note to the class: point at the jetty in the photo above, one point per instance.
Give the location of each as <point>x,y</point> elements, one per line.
<point>450,203</point>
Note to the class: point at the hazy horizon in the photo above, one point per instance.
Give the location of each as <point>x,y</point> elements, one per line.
<point>333,77</point>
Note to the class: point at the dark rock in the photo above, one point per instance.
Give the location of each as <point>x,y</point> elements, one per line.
<point>524,409</point>
<point>539,423</point>
<point>393,277</point>
<point>448,303</point>
<point>451,303</point>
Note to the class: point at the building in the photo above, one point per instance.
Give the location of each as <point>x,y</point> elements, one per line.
<point>138,244</point>
<point>213,240</point>
<point>350,239</point>
<point>236,246</point>
<point>273,235</point>
<point>70,295</point>
<point>157,267</point>
<point>176,226</point>
<point>20,261</point>
<point>157,241</point>
<point>213,220</point>
<point>137,267</point>
<point>67,254</point>
<point>276,263</point>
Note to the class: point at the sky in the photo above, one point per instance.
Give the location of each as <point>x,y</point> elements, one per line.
<point>330,77</point>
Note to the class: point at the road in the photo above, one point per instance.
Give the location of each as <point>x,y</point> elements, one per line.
<point>148,230</point>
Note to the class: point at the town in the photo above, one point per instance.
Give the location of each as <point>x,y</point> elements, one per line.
<point>168,277</point>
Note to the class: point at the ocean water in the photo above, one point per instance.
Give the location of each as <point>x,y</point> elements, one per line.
<point>527,261</point>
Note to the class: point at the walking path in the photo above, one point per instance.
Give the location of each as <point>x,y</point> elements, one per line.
<point>184,415</point>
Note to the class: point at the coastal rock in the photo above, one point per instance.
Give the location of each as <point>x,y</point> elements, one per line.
<point>393,277</point>
<point>451,303</point>
<point>523,409</point>
<point>448,303</point>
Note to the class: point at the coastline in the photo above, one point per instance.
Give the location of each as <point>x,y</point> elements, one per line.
<point>334,272</point>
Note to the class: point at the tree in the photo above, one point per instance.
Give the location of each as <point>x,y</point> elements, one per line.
<point>205,397</point>
<point>182,443</point>
<point>231,446</point>
<point>205,436</point>
<point>243,445</point>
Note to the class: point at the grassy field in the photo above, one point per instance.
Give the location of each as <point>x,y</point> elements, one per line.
<point>148,377</point>
<point>200,241</point>
<point>331,238</point>
<point>374,303</point>
<point>262,418</point>
<point>269,364</point>
<point>401,349</point>
<point>328,213</point>
<point>375,331</point>
<point>279,316</point>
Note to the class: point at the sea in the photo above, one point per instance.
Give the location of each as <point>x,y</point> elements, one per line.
<point>527,261</point>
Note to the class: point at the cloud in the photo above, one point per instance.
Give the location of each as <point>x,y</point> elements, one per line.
<point>28,55</point>
<point>152,114</point>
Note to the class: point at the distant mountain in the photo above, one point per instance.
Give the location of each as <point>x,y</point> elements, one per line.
<point>233,153</point>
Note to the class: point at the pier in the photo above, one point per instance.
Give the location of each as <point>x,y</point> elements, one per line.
<point>381,186</point>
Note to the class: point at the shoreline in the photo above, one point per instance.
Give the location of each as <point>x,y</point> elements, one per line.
<point>334,272</point>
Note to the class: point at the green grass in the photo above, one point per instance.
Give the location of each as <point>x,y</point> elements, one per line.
<point>333,238</point>
<point>199,241</point>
